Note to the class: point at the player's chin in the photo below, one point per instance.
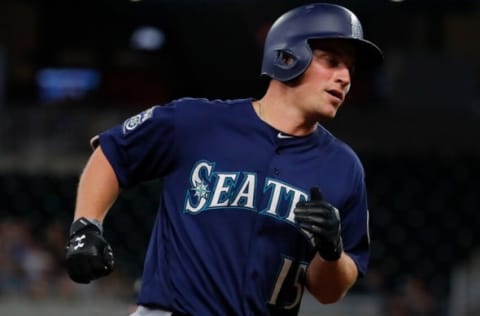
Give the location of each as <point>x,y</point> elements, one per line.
<point>330,112</point>
<point>327,116</point>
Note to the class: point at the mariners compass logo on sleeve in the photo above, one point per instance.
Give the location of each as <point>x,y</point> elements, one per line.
<point>136,120</point>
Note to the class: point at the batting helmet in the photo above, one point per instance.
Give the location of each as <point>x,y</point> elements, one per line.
<point>290,33</point>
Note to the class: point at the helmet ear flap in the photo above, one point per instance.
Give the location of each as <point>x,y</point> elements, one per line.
<point>285,64</point>
<point>285,60</point>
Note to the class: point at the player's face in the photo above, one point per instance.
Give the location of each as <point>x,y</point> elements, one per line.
<point>324,85</point>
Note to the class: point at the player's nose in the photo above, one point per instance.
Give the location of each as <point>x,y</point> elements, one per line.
<point>342,76</point>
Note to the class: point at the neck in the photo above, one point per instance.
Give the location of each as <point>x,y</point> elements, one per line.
<point>283,117</point>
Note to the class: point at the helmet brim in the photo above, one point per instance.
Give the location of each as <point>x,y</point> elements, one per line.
<point>368,55</point>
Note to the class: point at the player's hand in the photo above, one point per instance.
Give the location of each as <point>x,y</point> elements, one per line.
<point>88,255</point>
<point>322,220</point>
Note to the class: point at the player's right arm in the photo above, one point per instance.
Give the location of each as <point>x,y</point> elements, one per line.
<point>98,188</point>
<point>88,254</point>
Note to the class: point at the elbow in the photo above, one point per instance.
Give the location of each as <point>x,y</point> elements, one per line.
<point>330,298</point>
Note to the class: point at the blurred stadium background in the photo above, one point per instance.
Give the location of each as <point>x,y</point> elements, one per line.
<point>69,69</point>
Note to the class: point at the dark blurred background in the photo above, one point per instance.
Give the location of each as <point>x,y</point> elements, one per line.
<point>70,69</point>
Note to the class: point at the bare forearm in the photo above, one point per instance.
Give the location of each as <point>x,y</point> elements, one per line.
<point>97,189</point>
<point>329,281</point>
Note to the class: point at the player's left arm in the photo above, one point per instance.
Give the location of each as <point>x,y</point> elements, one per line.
<point>329,281</point>
<point>332,272</point>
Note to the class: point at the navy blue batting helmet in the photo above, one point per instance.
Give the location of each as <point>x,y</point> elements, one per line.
<point>291,32</point>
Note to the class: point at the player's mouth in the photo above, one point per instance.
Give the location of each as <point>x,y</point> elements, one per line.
<point>337,94</point>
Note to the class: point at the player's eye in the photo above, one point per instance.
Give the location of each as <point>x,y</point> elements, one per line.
<point>328,59</point>
<point>333,60</point>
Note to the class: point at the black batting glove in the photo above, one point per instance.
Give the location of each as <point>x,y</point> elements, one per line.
<point>88,255</point>
<point>322,220</point>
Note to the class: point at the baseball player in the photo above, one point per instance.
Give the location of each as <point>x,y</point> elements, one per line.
<point>259,200</point>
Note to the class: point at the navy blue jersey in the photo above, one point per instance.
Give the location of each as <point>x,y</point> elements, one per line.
<point>225,241</point>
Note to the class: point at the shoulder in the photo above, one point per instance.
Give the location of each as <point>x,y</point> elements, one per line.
<point>204,102</point>
<point>189,108</point>
<point>342,152</point>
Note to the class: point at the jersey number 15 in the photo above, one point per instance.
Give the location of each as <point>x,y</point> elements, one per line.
<point>297,283</point>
